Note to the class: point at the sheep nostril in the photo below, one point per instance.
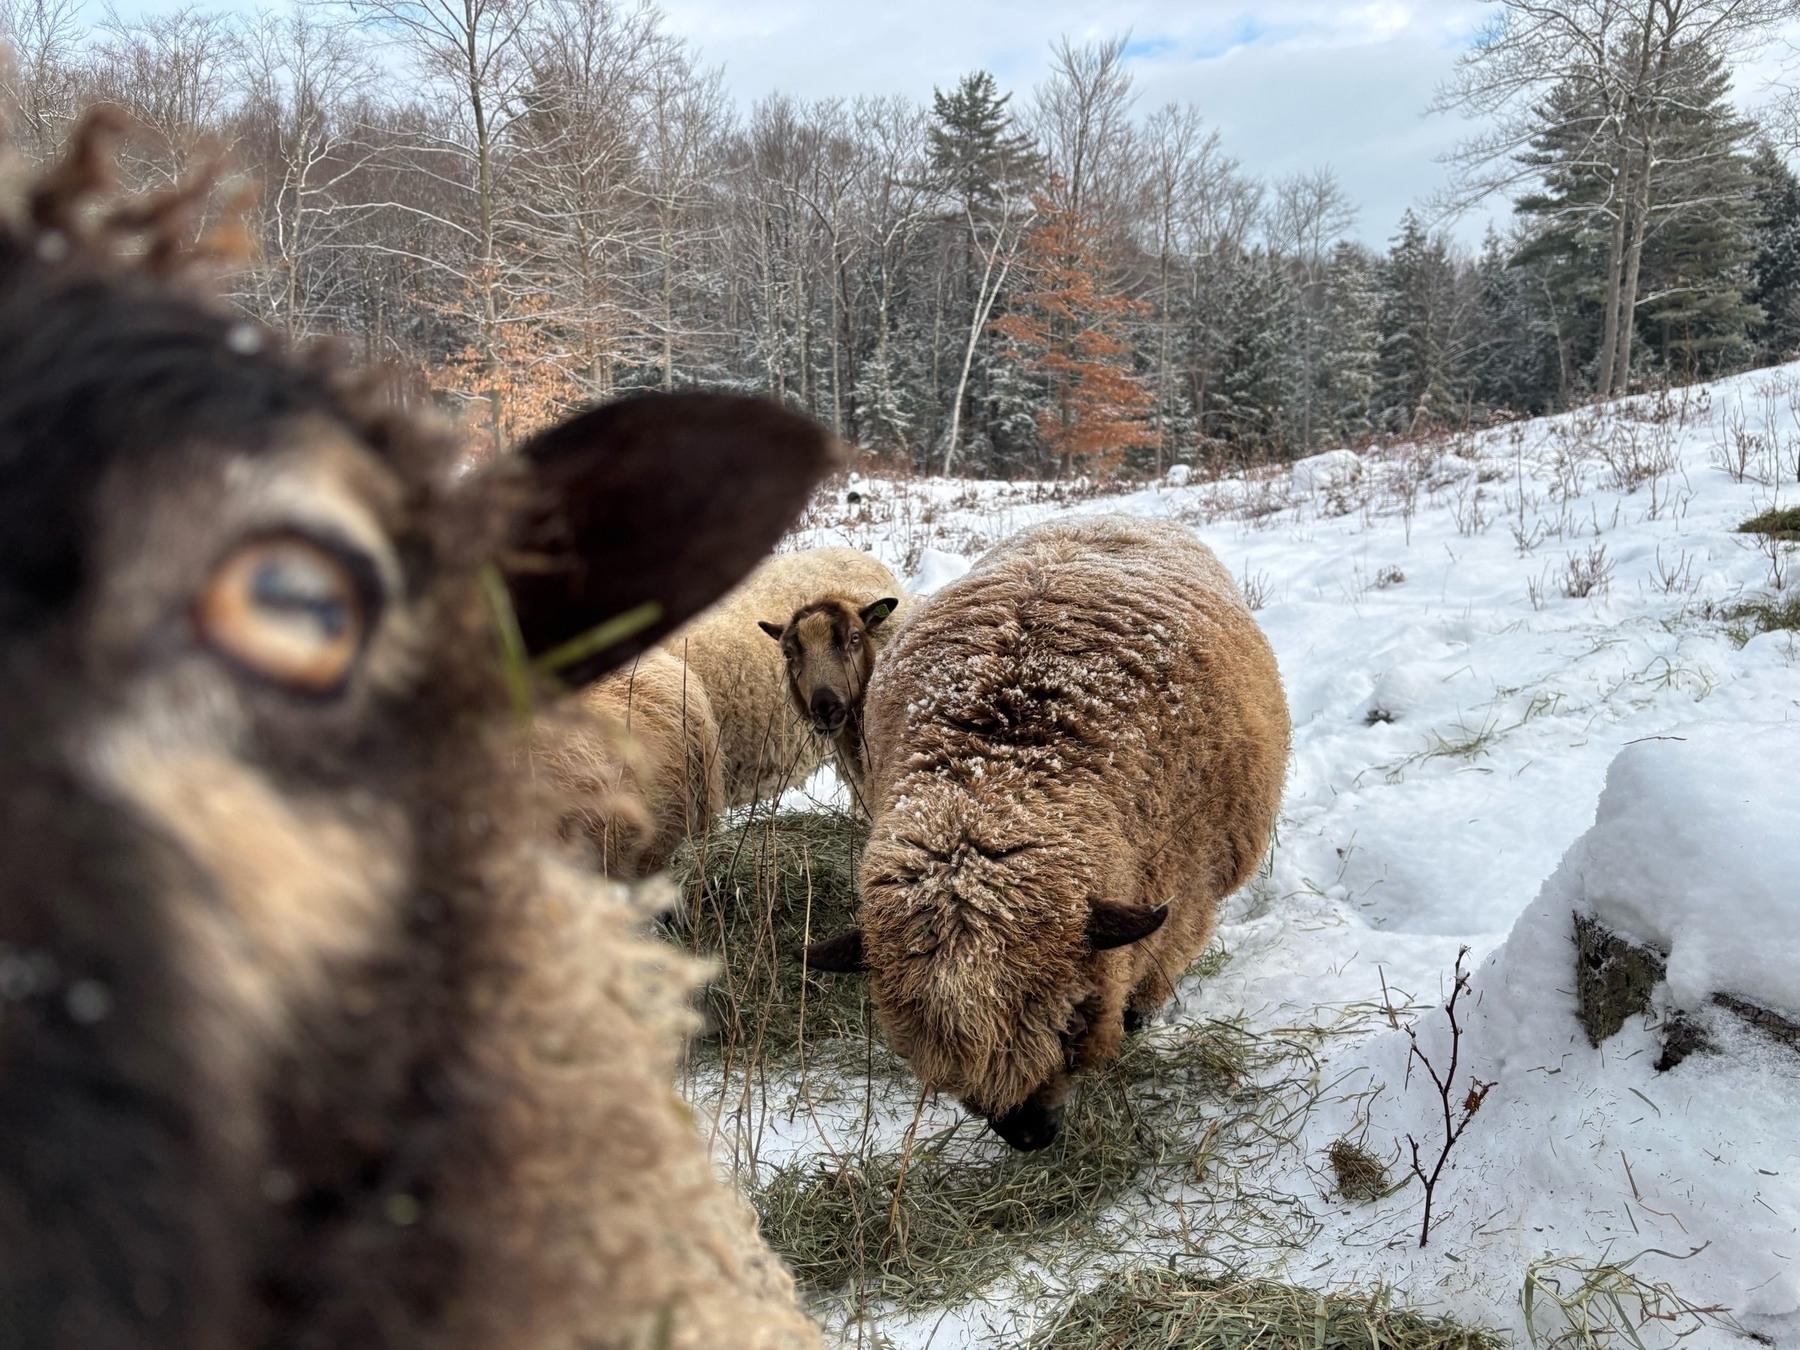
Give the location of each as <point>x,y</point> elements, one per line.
<point>828,712</point>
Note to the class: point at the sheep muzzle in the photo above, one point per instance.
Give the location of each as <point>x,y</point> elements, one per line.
<point>1030,1126</point>
<point>829,712</point>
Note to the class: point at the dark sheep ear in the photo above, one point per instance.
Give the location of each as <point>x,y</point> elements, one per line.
<point>842,954</point>
<point>646,511</point>
<point>1111,925</point>
<point>875,613</point>
<point>774,630</point>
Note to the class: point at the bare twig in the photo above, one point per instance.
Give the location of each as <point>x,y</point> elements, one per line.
<point>1445,1084</point>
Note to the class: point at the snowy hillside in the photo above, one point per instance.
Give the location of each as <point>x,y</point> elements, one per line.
<point>1471,633</point>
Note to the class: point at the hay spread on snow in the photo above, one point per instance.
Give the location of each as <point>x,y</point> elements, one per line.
<point>1169,1148</point>
<point>753,894</point>
<point>1186,1110</point>
<point>1154,1307</point>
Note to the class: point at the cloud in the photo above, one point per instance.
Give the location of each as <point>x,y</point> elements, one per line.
<point>1291,84</point>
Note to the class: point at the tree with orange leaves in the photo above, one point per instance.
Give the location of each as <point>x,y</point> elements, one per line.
<point>1068,329</point>
<point>518,371</point>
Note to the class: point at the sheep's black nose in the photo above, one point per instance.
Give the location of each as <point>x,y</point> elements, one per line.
<point>1029,1127</point>
<point>828,711</point>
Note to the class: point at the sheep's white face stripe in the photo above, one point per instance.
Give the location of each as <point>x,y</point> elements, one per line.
<point>306,889</point>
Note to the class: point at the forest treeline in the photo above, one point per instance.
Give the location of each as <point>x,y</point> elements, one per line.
<point>536,203</point>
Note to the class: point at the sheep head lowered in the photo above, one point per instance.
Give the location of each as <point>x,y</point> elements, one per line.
<point>829,650</point>
<point>1075,752</point>
<point>981,972</point>
<point>282,1061</point>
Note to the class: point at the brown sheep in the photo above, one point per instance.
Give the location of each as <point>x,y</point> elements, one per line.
<point>829,647</point>
<point>1075,752</point>
<point>767,749</point>
<point>308,1037</point>
<point>639,762</point>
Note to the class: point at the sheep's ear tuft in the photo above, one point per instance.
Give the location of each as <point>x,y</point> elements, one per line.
<point>842,954</point>
<point>774,630</point>
<point>875,613</point>
<point>1111,925</point>
<point>652,507</point>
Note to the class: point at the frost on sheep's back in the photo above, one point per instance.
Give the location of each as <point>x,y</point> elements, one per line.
<point>306,1039</point>
<point>1087,727</point>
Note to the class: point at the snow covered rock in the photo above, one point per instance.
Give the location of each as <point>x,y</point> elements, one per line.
<point>1179,475</point>
<point>1694,853</point>
<point>1319,473</point>
<point>1690,864</point>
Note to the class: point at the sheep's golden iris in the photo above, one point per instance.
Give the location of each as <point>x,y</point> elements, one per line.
<point>288,610</point>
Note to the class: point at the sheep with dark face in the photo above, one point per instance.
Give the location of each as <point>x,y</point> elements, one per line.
<point>766,749</point>
<point>305,1040</point>
<point>829,648</point>
<point>1075,752</point>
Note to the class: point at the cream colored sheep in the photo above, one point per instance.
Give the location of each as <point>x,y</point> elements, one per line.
<point>312,1037</point>
<point>638,759</point>
<point>766,748</point>
<point>1075,752</point>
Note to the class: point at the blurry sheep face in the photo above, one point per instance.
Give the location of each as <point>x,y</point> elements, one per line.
<point>829,657</point>
<point>252,709</point>
<point>990,994</point>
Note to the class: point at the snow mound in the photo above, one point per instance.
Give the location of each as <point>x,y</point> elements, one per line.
<point>1179,475</point>
<point>1319,473</point>
<point>936,570</point>
<point>1694,850</point>
<point>1694,1171</point>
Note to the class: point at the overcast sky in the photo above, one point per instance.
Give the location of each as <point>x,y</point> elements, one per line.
<point>1290,84</point>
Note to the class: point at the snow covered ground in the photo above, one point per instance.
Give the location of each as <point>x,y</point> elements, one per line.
<point>1471,634</point>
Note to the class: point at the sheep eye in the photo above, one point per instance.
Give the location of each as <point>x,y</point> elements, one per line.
<point>287,610</point>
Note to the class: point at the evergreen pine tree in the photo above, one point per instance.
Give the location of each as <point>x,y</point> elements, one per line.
<point>976,152</point>
<point>1693,310</point>
<point>983,165</point>
<point>1775,270</point>
<point>1350,333</point>
<point>1512,362</point>
<point>1416,375</point>
<point>1692,315</point>
<point>1256,364</point>
<point>881,410</point>
<point>1011,400</point>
